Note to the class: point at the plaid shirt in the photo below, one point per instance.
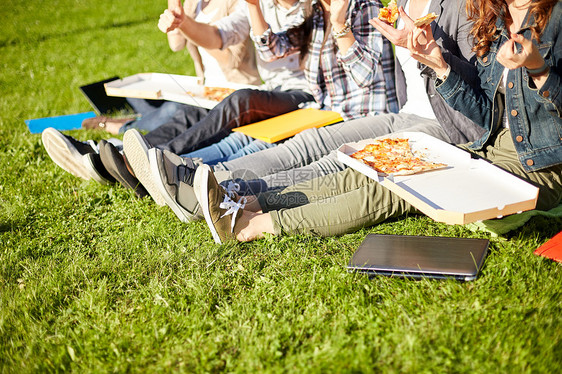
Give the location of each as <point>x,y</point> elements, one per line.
<point>356,84</point>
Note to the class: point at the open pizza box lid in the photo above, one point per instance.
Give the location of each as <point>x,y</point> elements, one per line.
<point>181,88</point>
<point>467,190</point>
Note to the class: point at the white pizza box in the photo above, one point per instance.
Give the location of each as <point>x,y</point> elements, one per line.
<point>467,190</point>
<point>181,88</point>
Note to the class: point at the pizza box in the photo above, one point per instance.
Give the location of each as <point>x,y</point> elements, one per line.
<point>181,88</point>
<point>467,190</point>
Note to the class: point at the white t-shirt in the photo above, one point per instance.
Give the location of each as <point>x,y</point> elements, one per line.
<point>417,101</point>
<point>213,71</point>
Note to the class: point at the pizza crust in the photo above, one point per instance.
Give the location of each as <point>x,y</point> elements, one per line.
<point>425,20</point>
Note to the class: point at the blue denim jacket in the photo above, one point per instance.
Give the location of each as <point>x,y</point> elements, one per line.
<point>535,115</point>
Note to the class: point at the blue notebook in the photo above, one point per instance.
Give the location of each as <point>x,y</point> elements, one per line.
<point>68,122</point>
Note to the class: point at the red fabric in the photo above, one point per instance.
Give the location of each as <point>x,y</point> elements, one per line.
<point>552,249</point>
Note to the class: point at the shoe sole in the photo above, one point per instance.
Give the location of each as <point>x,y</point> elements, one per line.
<point>63,153</point>
<point>201,187</point>
<point>92,172</point>
<point>136,152</point>
<point>181,213</point>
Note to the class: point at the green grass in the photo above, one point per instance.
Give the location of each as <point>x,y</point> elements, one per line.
<point>94,280</point>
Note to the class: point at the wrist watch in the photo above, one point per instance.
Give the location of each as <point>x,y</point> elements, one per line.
<point>445,75</point>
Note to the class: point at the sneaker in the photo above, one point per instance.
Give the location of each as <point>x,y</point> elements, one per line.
<point>115,164</point>
<point>220,210</point>
<point>135,148</point>
<point>67,152</point>
<point>173,176</point>
<point>96,170</point>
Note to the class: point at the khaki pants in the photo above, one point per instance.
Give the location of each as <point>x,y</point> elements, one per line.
<point>347,201</point>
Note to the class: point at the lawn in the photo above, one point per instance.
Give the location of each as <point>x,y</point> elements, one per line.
<point>93,279</point>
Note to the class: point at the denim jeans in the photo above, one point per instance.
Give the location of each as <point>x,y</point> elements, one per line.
<point>193,128</point>
<point>154,113</point>
<point>312,153</point>
<point>233,146</point>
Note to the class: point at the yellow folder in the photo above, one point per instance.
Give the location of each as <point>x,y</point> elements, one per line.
<point>286,125</point>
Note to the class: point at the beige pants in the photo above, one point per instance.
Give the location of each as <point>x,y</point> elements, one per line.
<point>347,201</point>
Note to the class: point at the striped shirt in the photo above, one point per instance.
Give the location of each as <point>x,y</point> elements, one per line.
<point>356,84</point>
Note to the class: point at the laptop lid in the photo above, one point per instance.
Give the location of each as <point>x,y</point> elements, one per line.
<point>103,104</point>
<point>420,256</point>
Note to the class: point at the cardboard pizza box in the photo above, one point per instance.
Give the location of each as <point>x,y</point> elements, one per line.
<point>467,190</point>
<point>181,88</point>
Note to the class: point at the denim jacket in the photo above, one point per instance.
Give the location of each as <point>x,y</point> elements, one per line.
<point>535,115</point>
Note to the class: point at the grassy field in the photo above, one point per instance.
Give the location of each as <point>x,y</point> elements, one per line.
<point>93,279</point>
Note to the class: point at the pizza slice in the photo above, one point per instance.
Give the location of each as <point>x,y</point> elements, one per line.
<point>394,156</point>
<point>389,13</point>
<point>425,20</point>
<point>217,93</point>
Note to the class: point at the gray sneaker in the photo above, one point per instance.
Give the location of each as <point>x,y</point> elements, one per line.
<point>173,176</point>
<point>135,148</point>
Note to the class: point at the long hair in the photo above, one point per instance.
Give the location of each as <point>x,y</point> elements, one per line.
<point>485,13</point>
<point>300,36</point>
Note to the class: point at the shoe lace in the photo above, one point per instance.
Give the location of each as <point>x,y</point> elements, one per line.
<point>232,189</point>
<point>232,207</point>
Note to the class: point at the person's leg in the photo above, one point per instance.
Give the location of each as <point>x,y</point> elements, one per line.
<point>152,116</point>
<point>184,117</point>
<point>312,144</point>
<point>254,146</point>
<point>222,150</point>
<point>330,164</point>
<point>501,152</point>
<point>349,202</point>
<point>243,107</point>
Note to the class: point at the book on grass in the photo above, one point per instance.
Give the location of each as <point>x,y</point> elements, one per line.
<point>67,122</point>
<point>286,125</point>
<point>552,249</point>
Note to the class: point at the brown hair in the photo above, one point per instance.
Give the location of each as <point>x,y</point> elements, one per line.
<point>485,13</point>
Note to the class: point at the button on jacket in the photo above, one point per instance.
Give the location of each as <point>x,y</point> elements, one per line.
<point>535,115</point>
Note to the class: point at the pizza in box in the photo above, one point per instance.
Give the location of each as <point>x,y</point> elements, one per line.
<point>394,156</point>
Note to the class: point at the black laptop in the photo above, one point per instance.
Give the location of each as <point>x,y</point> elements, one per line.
<point>420,256</point>
<point>103,104</point>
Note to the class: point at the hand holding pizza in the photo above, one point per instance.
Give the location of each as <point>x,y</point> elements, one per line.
<point>529,57</point>
<point>424,48</point>
<point>397,37</point>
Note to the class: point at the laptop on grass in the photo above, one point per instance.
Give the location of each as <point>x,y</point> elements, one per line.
<point>103,104</point>
<point>420,257</point>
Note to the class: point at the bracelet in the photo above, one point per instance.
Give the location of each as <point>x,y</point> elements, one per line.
<point>538,71</point>
<point>339,34</point>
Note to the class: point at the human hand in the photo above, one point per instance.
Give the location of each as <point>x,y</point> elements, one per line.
<point>253,2</point>
<point>397,37</point>
<point>172,17</point>
<point>338,14</point>
<point>424,48</point>
<point>529,57</point>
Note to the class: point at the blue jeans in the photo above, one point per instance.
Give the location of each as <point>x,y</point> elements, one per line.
<point>154,113</point>
<point>233,146</point>
<point>193,128</point>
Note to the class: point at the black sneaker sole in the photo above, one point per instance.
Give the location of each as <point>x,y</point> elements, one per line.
<point>94,166</point>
